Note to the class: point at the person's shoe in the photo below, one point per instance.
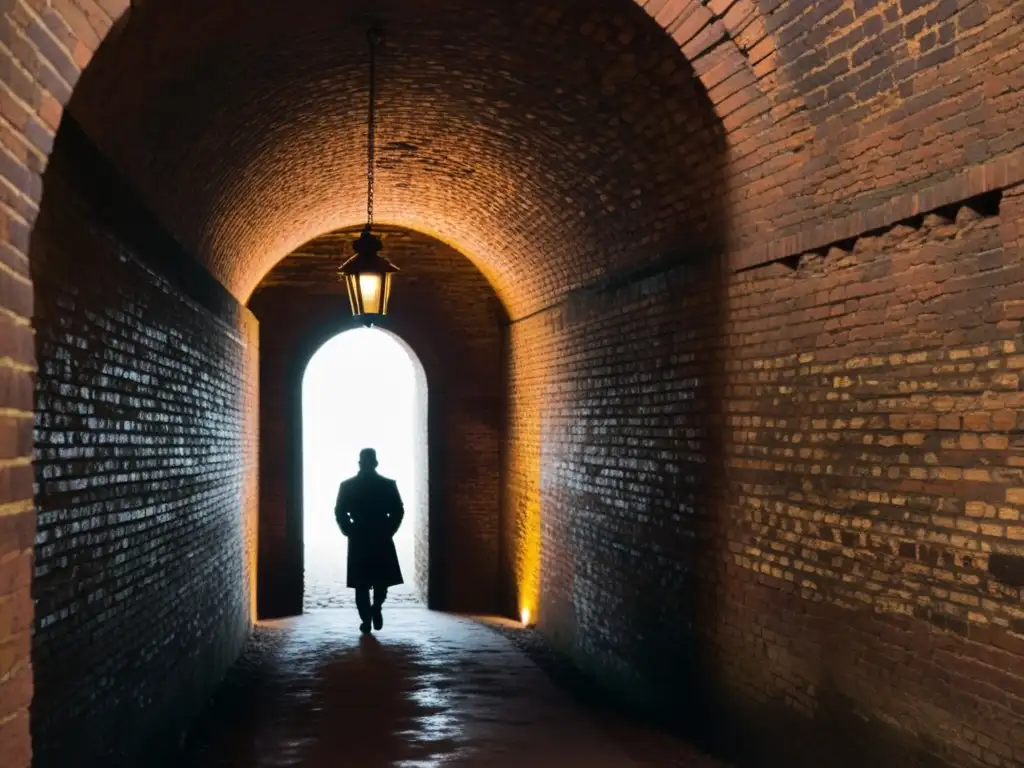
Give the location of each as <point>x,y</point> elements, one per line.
<point>365,627</point>
<point>378,617</point>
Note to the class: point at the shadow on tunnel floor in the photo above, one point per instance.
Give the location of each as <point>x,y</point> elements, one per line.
<point>648,739</point>
<point>441,691</point>
<point>768,736</point>
<point>317,699</point>
<point>765,736</point>
<point>325,702</point>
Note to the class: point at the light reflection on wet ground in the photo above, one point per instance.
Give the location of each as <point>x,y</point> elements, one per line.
<point>430,690</point>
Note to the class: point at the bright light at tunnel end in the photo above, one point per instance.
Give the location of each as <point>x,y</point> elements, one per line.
<point>524,616</point>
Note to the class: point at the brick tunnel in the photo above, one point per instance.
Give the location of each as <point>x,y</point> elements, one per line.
<point>719,306</point>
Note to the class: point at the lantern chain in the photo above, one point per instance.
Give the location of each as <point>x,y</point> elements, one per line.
<point>375,37</point>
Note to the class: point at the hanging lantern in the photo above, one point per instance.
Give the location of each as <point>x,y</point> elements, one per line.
<point>367,275</point>
<point>368,278</point>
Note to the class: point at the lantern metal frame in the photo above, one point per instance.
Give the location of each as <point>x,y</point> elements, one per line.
<point>367,261</point>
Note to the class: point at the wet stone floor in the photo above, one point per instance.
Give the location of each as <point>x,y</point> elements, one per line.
<point>429,689</point>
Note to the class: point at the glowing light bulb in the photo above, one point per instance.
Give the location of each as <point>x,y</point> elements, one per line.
<point>526,617</point>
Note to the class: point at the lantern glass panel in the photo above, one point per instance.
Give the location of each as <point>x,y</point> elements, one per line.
<point>387,292</point>
<point>352,284</point>
<point>372,290</point>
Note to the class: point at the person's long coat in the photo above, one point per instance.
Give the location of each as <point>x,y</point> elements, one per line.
<point>369,510</point>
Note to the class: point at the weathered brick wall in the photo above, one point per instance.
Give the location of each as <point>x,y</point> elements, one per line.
<point>832,109</point>
<point>788,506</point>
<point>449,316</point>
<point>874,462</point>
<point>144,473</point>
<point>37,80</point>
<point>899,94</point>
<point>615,410</point>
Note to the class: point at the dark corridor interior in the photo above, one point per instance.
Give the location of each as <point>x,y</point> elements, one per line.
<point>719,306</point>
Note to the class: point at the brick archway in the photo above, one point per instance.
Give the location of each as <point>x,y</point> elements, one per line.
<point>282,587</point>
<point>550,150</point>
<point>299,307</point>
<point>280,582</point>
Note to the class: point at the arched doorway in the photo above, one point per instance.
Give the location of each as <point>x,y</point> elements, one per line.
<point>300,307</point>
<point>362,388</point>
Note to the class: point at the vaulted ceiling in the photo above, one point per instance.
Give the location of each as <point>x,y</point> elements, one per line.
<point>549,142</point>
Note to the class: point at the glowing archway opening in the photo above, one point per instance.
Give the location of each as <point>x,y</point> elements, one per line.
<point>364,388</point>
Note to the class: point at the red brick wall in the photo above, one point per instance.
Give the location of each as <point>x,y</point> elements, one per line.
<point>615,411</point>
<point>874,462</point>
<point>143,469</point>
<point>447,313</point>
<point>834,108</point>
<point>32,96</point>
<point>899,95</point>
<point>793,494</point>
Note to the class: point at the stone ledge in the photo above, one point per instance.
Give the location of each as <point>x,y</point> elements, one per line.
<point>988,177</point>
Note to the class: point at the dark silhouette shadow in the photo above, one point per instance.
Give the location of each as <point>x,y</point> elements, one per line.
<point>369,644</point>
<point>369,512</point>
<point>364,705</point>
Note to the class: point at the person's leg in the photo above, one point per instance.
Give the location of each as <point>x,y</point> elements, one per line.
<point>363,606</point>
<point>380,594</point>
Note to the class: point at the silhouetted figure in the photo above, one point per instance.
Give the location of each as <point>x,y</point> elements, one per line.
<point>369,510</point>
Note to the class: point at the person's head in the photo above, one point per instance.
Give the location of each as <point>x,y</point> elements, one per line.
<point>367,459</point>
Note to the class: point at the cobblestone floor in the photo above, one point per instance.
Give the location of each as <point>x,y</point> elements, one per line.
<point>428,690</point>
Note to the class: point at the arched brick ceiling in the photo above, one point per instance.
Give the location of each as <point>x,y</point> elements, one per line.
<point>547,141</point>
